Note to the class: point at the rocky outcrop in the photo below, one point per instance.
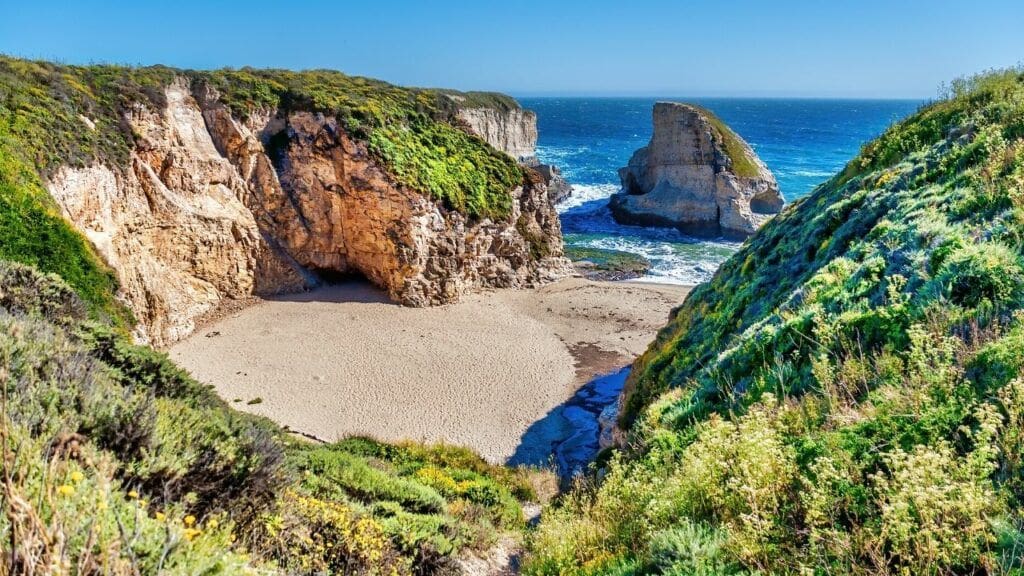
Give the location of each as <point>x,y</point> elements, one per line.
<point>696,175</point>
<point>512,130</point>
<point>558,188</point>
<point>214,208</point>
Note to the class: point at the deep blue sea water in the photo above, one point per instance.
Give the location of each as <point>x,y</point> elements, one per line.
<point>802,141</point>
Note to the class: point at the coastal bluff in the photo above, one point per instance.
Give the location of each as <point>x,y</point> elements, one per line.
<point>696,175</point>
<point>215,197</point>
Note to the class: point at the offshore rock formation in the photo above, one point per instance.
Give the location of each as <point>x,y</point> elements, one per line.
<point>696,175</point>
<point>214,208</point>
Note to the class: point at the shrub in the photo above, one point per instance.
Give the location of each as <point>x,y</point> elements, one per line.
<point>336,473</point>
<point>65,510</point>
<point>983,273</point>
<point>24,290</point>
<point>216,459</point>
<point>311,536</point>
<point>56,391</point>
<point>935,510</point>
<point>690,549</point>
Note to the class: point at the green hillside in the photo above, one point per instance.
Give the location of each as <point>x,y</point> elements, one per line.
<point>845,396</point>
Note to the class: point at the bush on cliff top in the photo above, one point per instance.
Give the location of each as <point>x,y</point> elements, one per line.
<point>845,396</point>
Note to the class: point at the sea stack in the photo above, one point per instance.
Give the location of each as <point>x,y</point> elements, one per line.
<point>696,175</point>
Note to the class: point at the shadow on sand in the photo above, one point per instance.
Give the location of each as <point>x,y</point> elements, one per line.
<point>568,436</point>
<point>347,289</point>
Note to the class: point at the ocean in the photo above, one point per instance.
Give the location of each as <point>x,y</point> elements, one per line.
<point>803,142</point>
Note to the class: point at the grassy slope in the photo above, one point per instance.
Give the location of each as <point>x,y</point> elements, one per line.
<point>845,396</point>
<point>113,450</point>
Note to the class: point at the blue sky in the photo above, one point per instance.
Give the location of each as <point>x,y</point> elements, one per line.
<point>865,48</point>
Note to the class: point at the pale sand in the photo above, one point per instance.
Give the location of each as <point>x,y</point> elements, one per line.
<point>343,361</point>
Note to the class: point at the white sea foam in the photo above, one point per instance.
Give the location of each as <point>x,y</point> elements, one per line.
<point>583,194</point>
<point>675,258</point>
<point>812,173</point>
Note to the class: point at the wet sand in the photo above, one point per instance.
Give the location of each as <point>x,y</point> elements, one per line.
<point>344,361</point>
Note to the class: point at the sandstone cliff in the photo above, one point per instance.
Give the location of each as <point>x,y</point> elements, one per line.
<point>214,207</point>
<point>696,175</point>
<point>511,130</point>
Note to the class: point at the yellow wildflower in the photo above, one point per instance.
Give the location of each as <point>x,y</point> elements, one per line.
<point>77,476</point>
<point>65,490</point>
<point>133,494</point>
<point>212,523</point>
<point>190,520</point>
<point>160,516</point>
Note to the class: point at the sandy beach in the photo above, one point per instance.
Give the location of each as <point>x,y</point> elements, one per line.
<point>343,360</point>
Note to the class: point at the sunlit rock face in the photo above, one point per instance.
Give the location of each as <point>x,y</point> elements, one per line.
<point>696,175</point>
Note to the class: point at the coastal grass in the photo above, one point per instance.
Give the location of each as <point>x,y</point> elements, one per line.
<point>845,396</point>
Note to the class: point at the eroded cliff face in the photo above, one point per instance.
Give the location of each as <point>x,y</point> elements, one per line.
<point>514,131</point>
<point>214,208</point>
<point>690,179</point>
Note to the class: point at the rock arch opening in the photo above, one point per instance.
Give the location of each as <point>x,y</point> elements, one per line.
<point>767,202</point>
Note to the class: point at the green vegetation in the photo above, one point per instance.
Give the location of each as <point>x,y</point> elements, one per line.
<point>846,395</point>
<point>493,100</point>
<point>742,162</point>
<point>608,264</point>
<point>40,130</point>
<point>116,461</point>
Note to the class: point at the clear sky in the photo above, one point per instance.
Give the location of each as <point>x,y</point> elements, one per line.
<point>855,48</point>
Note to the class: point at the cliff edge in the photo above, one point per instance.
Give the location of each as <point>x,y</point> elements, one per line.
<point>696,175</point>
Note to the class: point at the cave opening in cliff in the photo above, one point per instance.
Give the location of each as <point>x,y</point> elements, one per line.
<point>331,276</point>
<point>766,203</point>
